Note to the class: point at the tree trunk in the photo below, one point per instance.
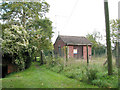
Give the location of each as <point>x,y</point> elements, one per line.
<point>108,41</point>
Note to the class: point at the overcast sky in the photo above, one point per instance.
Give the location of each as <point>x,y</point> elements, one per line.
<point>80,17</point>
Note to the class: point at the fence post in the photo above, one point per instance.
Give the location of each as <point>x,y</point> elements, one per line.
<point>66,49</point>
<point>41,54</point>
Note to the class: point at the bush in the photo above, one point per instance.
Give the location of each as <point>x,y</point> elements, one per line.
<point>15,45</point>
<point>54,64</point>
<point>100,83</point>
<point>91,74</point>
<point>57,68</point>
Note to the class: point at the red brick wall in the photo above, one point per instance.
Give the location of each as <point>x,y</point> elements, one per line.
<point>85,52</point>
<point>57,43</point>
<point>70,51</point>
<point>11,68</point>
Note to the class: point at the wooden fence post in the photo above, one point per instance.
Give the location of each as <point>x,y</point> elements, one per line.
<point>66,53</point>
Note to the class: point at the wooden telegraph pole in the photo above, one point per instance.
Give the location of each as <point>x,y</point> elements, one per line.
<point>108,41</point>
<point>119,46</point>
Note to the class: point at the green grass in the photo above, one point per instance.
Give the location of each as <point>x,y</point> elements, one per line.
<point>40,77</point>
<point>37,58</point>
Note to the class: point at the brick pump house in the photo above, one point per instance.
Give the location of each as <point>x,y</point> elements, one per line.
<point>76,46</point>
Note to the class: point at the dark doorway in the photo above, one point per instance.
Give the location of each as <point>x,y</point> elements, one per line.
<point>82,52</point>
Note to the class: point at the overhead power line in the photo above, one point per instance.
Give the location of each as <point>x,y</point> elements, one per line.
<point>69,18</point>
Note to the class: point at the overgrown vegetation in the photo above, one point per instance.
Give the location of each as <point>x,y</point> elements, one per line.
<point>39,77</point>
<point>25,32</point>
<point>95,73</point>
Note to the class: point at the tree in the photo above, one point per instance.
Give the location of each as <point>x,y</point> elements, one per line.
<point>114,36</point>
<point>31,15</point>
<point>108,41</point>
<point>97,47</point>
<point>24,13</point>
<point>15,46</point>
<point>114,24</point>
<point>41,37</point>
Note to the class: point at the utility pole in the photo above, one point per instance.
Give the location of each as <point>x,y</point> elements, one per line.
<point>119,46</point>
<point>108,41</point>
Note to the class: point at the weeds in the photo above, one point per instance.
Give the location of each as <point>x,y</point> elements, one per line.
<point>95,73</point>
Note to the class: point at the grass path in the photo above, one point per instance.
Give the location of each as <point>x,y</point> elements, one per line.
<point>39,77</point>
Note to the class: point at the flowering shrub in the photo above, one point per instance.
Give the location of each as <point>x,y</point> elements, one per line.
<point>15,44</point>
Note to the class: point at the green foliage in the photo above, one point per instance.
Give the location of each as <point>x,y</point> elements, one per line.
<point>25,12</point>
<point>41,36</point>
<point>55,64</point>
<point>15,39</point>
<point>16,45</point>
<point>106,81</point>
<point>91,74</point>
<point>32,16</point>
<point>97,47</point>
<point>114,24</point>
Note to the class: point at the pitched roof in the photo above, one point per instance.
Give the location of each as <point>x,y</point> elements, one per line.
<point>75,40</point>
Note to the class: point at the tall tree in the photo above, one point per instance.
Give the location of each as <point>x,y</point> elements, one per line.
<point>24,13</point>
<point>32,16</point>
<point>108,41</point>
<point>41,37</point>
<point>97,47</point>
